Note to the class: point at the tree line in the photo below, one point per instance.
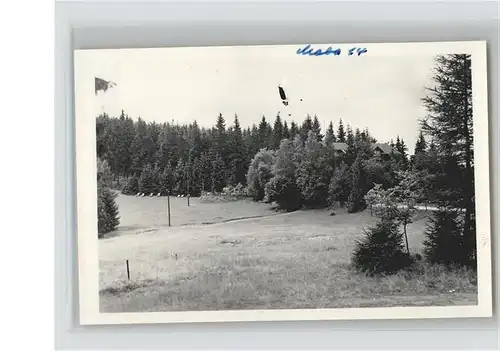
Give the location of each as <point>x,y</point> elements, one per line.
<point>180,158</point>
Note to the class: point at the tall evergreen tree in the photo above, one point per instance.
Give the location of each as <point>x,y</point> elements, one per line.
<point>221,137</point>
<point>449,124</point>
<point>421,144</point>
<point>349,136</point>
<point>237,162</point>
<point>341,136</point>
<point>218,175</point>
<point>330,135</point>
<point>286,131</point>
<point>277,132</point>
<point>294,130</point>
<point>264,138</point>
<point>282,187</point>
<point>307,125</point>
<point>316,128</point>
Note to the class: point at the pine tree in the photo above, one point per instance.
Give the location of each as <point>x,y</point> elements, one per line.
<point>167,180</point>
<point>277,132</point>
<point>356,201</point>
<point>282,187</point>
<point>221,137</point>
<point>381,251</point>
<point>307,126</point>
<point>453,134</point>
<point>341,136</point>
<point>294,130</point>
<point>264,138</point>
<point>444,242</point>
<point>314,172</point>
<point>107,209</point>
<point>421,144</point>
<point>148,181</point>
<point>330,135</point>
<point>316,128</point>
<point>132,186</point>
<point>237,162</point>
<point>218,176</point>
<point>286,131</point>
<point>349,136</point>
<point>340,187</point>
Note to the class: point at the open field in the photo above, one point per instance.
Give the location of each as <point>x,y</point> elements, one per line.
<point>291,260</point>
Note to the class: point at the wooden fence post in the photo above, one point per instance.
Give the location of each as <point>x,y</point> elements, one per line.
<point>168,207</point>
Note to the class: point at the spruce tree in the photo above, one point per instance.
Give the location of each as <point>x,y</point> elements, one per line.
<point>381,251</point>
<point>218,175</point>
<point>316,128</point>
<point>286,131</point>
<point>307,126</point>
<point>107,210</point>
<point>444,242</point>
<point>264,138</point>
<point>356,201</point>
<point>314,172</point>
<point>330,135</point>
<point>277,132</point>
<point>341,135</point>
<point>294,130</point>
<point>282,187</point>
<point>237,162</point>
<point>453,135</point>
<point>340,187</point>
<point>421,144</point>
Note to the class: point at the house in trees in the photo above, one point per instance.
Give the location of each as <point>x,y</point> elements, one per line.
<point>340,149</point>
<point>384,151</point>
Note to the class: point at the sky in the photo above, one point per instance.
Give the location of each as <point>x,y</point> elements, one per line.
<point>380,89</point>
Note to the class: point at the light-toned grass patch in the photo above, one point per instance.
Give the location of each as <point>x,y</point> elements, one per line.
<point>293,260</point>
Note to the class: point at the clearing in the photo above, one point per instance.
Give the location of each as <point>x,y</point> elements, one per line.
<point>292,260</point>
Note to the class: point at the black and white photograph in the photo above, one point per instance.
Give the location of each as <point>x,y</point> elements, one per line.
<point>283,182</point>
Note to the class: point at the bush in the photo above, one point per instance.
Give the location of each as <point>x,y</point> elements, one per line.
<point>107,210</point>
<point>284,192</point>
<point>381,251</point>
<point>237,191</point>
<point>149,180</point>
<point>444,242</point>
<point>339,188</point>
<point>259,173</point>
<point>132,186</point>
<point>356,201</point>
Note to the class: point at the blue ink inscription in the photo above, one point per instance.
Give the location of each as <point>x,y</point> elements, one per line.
<point>309,51</point>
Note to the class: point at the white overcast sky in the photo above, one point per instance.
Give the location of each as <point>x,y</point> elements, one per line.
<point>381,89</point>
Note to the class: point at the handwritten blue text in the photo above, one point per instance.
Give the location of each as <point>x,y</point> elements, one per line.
<point>309,51</point>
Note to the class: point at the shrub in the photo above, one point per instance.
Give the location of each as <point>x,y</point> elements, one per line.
<point>149,180</point>
<point>356,201</point>
<point>444,242</point>
<point>381,251</point>
<point>284,191</point>
<point>107,210</point>
<point>132,186</point>
<point>339,188</point>
<point>259,173</point>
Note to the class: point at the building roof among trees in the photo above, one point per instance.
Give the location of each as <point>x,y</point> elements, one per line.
<point>340,146</point>
<point>385,148</point>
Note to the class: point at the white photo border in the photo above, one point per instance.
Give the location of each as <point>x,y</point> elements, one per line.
<point>86,185</point>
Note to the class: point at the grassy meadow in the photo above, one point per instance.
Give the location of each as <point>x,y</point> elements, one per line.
<point>244,255</point>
